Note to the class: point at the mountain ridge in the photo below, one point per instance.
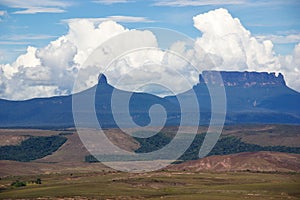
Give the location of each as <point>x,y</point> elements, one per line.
<point>262,161</point>
<point>252,97</point>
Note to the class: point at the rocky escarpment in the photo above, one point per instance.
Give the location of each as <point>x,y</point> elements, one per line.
<point>242,79</point>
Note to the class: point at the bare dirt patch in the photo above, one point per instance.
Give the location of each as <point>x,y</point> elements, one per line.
<point>7,140</point>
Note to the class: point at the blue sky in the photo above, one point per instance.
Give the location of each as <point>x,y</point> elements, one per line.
<point>45,43</point>
<point>36,23</point>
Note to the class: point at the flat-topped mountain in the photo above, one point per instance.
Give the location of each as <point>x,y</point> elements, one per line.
<point>244,79</point>
<point>251,97</point>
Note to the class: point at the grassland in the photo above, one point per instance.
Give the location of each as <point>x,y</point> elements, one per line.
<point>64,173</point>
<point>157,185</point>
<point>266,134</point>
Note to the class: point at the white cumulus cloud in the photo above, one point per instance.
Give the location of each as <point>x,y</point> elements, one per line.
<point>225,44</point>
<point>226,38</point>
<point>290,67</point>
<point>51,70</point>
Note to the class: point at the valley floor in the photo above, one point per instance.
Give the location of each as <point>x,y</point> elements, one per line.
<point>156,185</point>
<point>245,175</point>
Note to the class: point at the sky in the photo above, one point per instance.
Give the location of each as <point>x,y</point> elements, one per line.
<point>43,44</point>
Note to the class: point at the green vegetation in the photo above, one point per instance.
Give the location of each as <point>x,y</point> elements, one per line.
<point>153,143</point>
<point>231,145</point>
<point>38,181</point>
<point>146,145</point>
<point>224,146</point>
<point>18,183</point>
<point>90,159</point>
<point>31,149</point>
<point>65,133</point>
<point>158,185</point>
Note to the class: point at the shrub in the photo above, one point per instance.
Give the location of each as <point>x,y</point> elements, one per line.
<point>18,183</point>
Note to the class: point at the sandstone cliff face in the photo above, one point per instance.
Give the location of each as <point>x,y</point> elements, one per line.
<point>242,79</point>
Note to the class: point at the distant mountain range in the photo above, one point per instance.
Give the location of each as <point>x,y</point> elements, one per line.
<point>252,97</point>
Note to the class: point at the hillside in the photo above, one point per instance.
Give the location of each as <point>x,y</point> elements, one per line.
<point>70,157</point>
<point>246,161</point>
